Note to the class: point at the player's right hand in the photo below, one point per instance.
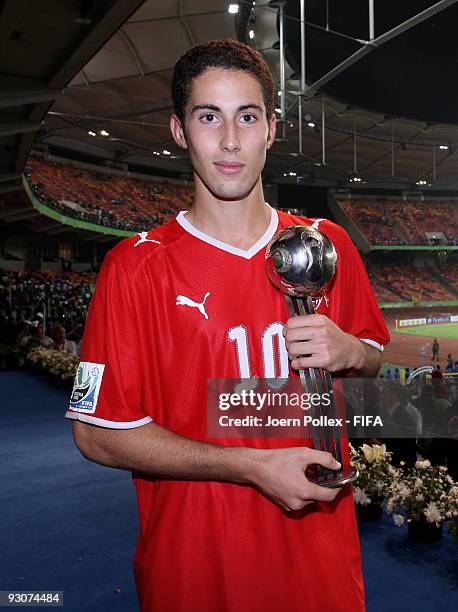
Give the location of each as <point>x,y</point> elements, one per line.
<point>280,475</point>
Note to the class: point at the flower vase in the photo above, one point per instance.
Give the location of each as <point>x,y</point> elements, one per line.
<point>371,512</point>
<point>422,531</point>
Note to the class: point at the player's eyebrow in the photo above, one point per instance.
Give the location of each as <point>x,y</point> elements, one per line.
<point>217,109</point>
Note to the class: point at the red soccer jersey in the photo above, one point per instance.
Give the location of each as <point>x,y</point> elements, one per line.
<point>172,308</point>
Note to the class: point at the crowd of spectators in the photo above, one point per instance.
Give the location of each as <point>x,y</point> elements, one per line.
<point>416,218</point>
<point>372,221</point>
<point>106,199</point>
<point>404,283</point>
<point>132,204</point>
<point>449,273</point>
<point>54,304</point>
<point>390,222</point>
<point>43,309</point>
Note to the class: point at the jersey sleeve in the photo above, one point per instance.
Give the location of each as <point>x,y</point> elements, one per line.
<point>358,311</point>
<point>108,385</point>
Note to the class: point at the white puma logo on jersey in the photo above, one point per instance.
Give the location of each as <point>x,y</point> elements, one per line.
<point>144,238</point>
<point>182,300</point>
<point>316,223</point>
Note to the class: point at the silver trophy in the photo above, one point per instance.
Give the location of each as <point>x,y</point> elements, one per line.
<point>301,262</point>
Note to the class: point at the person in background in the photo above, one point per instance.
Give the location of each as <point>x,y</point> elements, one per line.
<point>61,343</point>
<point>402,422</point>
<point>437,376</point>
<point>36,336</point>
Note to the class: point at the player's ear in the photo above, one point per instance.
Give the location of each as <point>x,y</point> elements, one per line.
<point>178,132</point>
<point>272,130</point>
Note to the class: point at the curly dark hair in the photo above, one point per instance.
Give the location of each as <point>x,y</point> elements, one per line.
<point>228,54</point>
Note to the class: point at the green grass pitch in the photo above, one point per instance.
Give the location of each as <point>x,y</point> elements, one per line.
<point>449,331</point>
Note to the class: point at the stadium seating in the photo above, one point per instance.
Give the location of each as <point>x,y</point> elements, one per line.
<point>404,283</point>
<point>372,221</point>
<point>449,273</point>
<point>133,204</point>
<point>390,222</point>
<point>106,199</point>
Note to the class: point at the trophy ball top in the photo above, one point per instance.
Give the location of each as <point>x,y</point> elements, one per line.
<point>300,260</point>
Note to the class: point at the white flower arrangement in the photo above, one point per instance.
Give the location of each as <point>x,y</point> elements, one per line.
<point>421,493</point>
<point>452,512</point>
<point>376,473</point>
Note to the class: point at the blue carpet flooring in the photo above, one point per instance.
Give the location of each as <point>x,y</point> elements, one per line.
<point>66,524</point>
<point>70,525</point>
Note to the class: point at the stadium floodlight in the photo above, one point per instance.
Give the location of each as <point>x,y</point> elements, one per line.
<point>251,34</point>
<point>165,152</point>
<point>104,133</point>
<point>311,124</point>
<point>443,147</point>
<point>292,174</point>
<point>233,9</point>
<point>91,133</point>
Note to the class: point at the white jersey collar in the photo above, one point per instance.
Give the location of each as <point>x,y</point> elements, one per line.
<point>257,246</point>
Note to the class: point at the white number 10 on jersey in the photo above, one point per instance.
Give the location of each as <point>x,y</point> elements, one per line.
<point>272,341</point>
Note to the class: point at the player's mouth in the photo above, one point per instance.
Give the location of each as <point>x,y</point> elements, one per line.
<point>229,168</point>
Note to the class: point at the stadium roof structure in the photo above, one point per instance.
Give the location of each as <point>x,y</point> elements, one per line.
<point>383,134</point>
<point>105,67</point>
<point>42,46</point>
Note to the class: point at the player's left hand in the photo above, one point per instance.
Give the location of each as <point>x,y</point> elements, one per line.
<point>314,341</point>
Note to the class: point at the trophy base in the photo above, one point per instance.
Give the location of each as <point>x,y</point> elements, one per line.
<point>333,479</point>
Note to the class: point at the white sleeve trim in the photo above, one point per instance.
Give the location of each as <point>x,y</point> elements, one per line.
<point>104,423</point>
<point>373,343</point>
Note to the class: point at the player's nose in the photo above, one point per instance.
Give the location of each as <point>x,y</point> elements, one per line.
<point>230,139</point>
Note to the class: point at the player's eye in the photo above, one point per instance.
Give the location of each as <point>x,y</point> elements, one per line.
<point>208,118</point>
<point>248,118</point>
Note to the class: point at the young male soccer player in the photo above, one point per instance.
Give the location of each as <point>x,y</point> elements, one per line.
<point>189,301</point>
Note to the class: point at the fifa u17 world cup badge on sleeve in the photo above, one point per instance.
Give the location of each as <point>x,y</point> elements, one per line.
<point>86,387</point>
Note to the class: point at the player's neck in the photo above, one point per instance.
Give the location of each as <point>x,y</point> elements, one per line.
<point>239,223</point>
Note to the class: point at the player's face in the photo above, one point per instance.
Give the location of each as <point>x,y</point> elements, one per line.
<point>227,132</point>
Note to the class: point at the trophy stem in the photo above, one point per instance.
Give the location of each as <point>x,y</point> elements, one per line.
<point>318,380</point>
<point>315,374</point>
<point>306,378</point>
<point>324,385</point>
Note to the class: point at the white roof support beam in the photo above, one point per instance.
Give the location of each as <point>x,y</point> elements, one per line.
<point>375,43</point>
